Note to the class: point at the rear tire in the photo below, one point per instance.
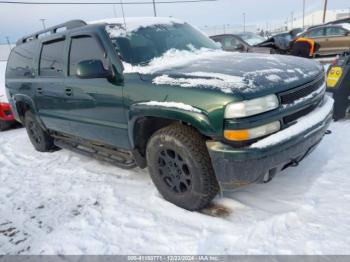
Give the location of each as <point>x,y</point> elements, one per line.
<point>180,167</point>
<point>40,139</point>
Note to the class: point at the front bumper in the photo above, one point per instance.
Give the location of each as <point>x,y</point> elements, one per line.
<point>236,167</point>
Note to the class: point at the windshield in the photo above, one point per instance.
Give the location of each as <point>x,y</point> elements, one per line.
<point>252,39</point>
<point>141,46</point>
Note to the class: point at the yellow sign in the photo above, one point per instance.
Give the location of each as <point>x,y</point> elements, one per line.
<point>333,76</point>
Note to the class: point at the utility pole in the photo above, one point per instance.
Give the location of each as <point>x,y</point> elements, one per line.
<point>8,42</point>
<point>43,22</point>
<point>292,17</point>
<point>154,8</point>
<point>303,14</point>
<point>325,11</point>
<point>244,22</point>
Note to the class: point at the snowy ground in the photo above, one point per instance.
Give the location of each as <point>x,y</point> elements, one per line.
<point>65,203</point>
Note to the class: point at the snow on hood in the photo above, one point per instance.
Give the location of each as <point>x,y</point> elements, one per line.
<point>3,97</point>
<point>133,24</point>
<point>227,71</point>
<point>176,105</point>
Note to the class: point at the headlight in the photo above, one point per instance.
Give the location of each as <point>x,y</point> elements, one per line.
<point>248,134</point>
<point>251,107</point>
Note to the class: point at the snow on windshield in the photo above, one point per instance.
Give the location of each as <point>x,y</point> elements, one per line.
<point>174,58</point>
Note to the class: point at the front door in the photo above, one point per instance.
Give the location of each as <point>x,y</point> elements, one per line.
<point>95,105</point>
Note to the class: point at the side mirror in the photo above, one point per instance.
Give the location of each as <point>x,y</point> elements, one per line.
<point>92,69</point>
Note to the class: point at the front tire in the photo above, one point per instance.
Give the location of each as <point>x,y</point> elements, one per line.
<point>40,139</point>
<point>180,167</point>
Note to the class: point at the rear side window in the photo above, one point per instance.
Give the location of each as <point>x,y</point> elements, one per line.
<point>20,63</point>
<point>51,59</point>
<point>335,31</point>
<point>85,48</point>
<point>315,33</point>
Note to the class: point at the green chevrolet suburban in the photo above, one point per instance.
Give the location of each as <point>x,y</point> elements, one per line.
<point>157,93</point>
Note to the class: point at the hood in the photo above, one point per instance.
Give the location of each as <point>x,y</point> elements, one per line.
<point>247,75</point>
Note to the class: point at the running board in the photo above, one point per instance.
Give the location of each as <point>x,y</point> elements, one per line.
<point>118,158</point>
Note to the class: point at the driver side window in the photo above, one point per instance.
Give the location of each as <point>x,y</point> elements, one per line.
<point>85,48</point>
<point>230,42</point>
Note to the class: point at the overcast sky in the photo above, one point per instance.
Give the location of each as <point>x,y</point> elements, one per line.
<point>19,20</point>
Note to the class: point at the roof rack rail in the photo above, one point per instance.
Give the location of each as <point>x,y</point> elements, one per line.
<point>51,30</point>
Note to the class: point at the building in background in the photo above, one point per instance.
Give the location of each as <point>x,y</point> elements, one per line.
<point>316,18</point>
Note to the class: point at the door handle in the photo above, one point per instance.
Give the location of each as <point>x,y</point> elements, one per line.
<point>39,90</point>
<point>68,91</point>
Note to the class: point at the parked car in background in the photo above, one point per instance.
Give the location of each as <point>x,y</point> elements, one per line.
<point>241,43</point>
<point>6,116</point>
<point>157,92</point>
<point>281,42</point>
<point>333,39</point>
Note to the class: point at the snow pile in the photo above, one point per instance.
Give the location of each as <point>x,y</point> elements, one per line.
<point>3,97</point>
<point>303,123</point>
<point>132,24</point>
<point>199,79</point>
<point>181,106</point>
<point>66,203</point>
<point>174,58</point>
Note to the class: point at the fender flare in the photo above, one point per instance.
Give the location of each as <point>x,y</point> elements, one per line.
<point>29,101</point>
<point>200,121</point>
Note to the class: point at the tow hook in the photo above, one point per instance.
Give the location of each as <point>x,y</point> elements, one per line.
<point>328,132</point>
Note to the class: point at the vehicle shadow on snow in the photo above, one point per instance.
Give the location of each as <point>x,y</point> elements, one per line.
<point>286,191</point>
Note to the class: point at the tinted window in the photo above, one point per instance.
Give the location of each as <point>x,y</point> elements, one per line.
<point>335,31</point>
<point>51,60</point>
<point>315,33</point>
<point>20,63</point>
<point>85,48</point>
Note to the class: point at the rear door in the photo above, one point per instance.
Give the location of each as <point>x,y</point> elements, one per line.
<point>95,105</point>
<point>337,40</point>
<point>49,85</point>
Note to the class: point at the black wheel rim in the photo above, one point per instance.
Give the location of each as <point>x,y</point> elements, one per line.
<point>34,132</point>
<point>174,171</point>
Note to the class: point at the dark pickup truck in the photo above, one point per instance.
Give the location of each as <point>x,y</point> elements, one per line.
<point>156,92</point>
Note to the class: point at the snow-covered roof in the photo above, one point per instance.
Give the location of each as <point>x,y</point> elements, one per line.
<point>135,23</point>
